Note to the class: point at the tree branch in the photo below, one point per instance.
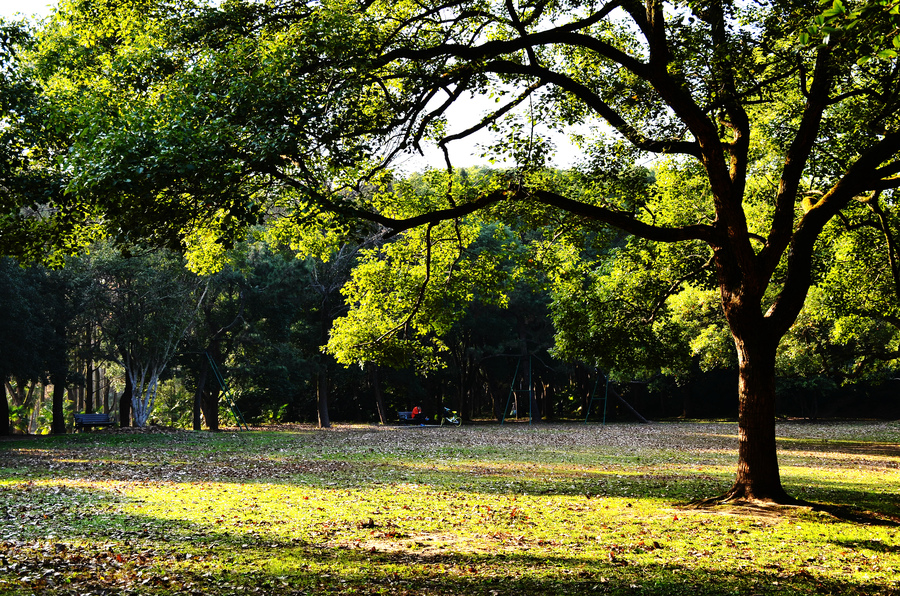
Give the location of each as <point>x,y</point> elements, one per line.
<point>795,162</point>
<point>394,226</point>
<point>856,179</point>
<point>626,222</point>
<point>634,136</point>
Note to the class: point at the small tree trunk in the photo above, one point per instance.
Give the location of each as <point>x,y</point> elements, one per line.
<point>198,394</point>
<point>548,394</point>
<point>4,411</point>
<point>89,388</point>
<point>497,403</point>
<point>379,398</point>
<point>125,403</point>
<point>322,397</point>
<point>580,381</point>
<point>58,426</point>
<point>36,410</point>
<point>106,393</point>
<point>534,408</point>
<point>98,389</point>
<point>143,400</point>
<point>14,394</point>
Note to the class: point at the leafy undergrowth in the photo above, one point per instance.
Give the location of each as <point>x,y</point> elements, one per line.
<point>549,509</point>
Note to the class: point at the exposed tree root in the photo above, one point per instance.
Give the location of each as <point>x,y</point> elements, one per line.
<point>742,496</point>
<point>770,508</point>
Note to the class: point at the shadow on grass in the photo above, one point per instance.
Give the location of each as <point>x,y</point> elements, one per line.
<point>96,551</point>
<point>202,457</point>
<point>855,514</point>
<point>871,545</point>
<point>186,558</point>
<point>859,448</point>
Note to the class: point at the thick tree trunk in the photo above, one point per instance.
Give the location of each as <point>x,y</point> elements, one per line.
<point>758,477</point>
<point>209,403</point>
<point>756,337</point>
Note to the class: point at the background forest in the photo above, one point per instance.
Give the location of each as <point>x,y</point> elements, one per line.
<point>230,179</point>
<point>293,336</point>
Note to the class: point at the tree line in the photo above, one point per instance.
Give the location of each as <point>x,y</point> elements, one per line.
<point>536,329</point>
<point>740,164</point>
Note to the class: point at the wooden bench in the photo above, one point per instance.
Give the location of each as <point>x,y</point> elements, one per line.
<point>86,421</point>
<point>408,418</point>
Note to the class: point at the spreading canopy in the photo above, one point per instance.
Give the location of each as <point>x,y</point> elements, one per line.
<point>192,122</point>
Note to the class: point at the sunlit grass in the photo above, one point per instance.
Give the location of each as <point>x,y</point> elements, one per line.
<point>557,509</point>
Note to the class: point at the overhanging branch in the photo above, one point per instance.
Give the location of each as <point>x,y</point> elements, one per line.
<point>627,222</point>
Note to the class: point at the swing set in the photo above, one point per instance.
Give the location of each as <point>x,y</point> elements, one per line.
<point>526,387</point>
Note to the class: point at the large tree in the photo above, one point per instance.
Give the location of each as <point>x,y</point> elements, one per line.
<point>144,305</point>
<point>777,109</point>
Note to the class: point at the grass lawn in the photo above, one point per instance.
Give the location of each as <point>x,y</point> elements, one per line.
<point>489,510</point>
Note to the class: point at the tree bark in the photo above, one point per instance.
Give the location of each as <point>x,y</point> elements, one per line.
<point>756,341</point>
<point>36,410</point>
<point>758,477</point>
<point>525,371</point>
<point>548,395</point>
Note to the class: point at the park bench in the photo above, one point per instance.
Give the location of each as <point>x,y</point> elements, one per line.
<point>408,418</point>
<point>86,421</point>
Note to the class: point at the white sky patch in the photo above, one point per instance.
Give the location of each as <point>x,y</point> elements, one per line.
<point>17,9</point>
<point>468,111</point>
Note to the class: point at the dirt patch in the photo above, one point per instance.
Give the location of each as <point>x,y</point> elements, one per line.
<point>152,429</point>
<point>424,545</point>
